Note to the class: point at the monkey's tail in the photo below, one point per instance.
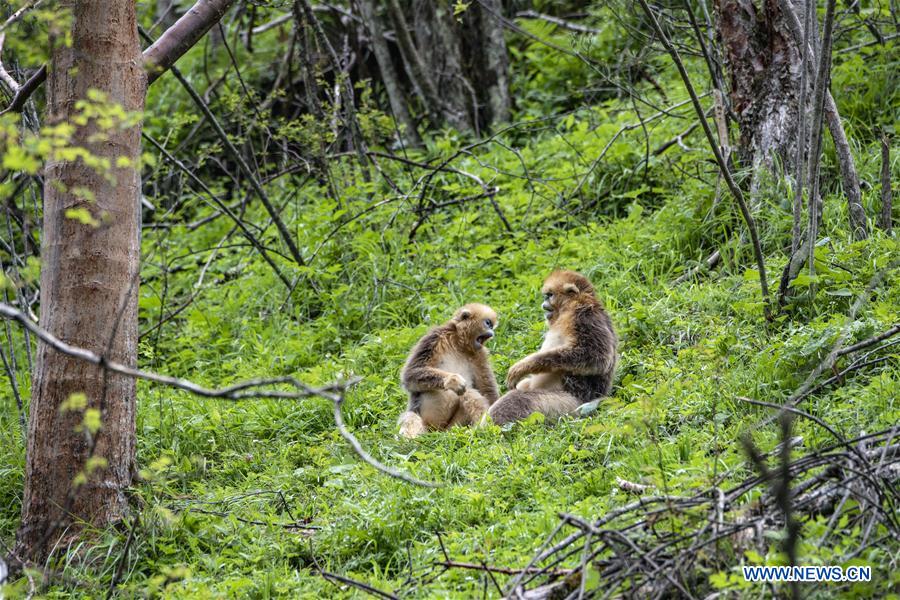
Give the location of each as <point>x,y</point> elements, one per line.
<point>411,424</point>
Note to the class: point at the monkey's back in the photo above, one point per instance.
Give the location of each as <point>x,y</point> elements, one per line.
<point>596,340</point>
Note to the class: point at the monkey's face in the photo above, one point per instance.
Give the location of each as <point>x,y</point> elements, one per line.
<point>563,290</point>
<point>475,324</point>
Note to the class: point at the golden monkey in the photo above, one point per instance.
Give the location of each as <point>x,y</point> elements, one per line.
<point>576,362</point>
<point>447,374</point>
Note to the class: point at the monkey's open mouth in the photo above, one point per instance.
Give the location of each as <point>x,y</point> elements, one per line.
<point>482,339</point>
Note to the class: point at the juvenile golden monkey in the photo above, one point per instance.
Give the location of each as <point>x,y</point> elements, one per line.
<point>447,374</point>
<point>576,362</point>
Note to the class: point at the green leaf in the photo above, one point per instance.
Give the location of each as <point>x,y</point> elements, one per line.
<point>75,401</point>
<point>82,215</point>
<point>91,420</point>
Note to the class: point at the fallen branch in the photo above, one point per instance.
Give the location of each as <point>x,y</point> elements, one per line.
<point>871,341</point>
<point>636,553</point>
<point>452,564</point>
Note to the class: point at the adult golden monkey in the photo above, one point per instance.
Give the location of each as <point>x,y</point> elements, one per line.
<point>576,362</point>
<point>448,375</point>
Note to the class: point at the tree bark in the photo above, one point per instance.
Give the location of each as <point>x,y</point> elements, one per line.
<point>497,61</point>
<point>88,286</point>
<point>415,66</point>
<point>388,73</point>
<point>454,87</point>
<point>181,37</point>
<point>764,66</point>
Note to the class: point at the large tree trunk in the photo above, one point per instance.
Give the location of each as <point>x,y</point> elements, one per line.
<point>76,474</point>
<point>764,67</point>
<point>440,40</point>
<point>88,286</point>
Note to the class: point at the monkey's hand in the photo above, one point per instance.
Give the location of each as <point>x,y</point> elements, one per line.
<point>516,373</point>
<point>455,383</point>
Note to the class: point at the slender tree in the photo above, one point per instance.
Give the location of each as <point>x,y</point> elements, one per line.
<point>885,220</point>
<point>388,73</point>
<point>496,60</point>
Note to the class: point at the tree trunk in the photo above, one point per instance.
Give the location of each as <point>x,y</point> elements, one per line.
<point>415,65</point>
<point>388,73</point>
<point>88,287</point>
<point>496,59</point>
<point>453,86</point>
<point>440,51</point>
<point>764,66</point>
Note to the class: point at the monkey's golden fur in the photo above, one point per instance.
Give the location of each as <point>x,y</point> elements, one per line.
<point>448,375</point>
<point>576,362</point>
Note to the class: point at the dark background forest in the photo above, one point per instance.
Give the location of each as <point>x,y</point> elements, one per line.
<point>224,224</point>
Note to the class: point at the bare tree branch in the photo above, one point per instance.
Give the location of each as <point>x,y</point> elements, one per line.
<point>159,57</point>
<point>25,90</point>
<point>871,341</point>
<point>180,37</point>
<point>237,220</point>
<point>286,236</point>
<point>5,77</point>
<point>576,27</point>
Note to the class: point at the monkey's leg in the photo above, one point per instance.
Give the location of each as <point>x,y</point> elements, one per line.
<point>411,424</point>
<point>517,405</point>
<point>471,409</point>
<point>437,408</point>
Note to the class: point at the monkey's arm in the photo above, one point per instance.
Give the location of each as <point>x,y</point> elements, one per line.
<point>485,382</point>
<point>574,360</point>
<point>419,375</point>
<point>589,355</point>
<point>539,362</point>
<point>424,379</point>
